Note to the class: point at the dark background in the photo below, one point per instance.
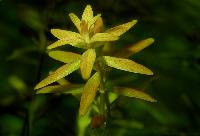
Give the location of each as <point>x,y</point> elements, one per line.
<point>174,58</point>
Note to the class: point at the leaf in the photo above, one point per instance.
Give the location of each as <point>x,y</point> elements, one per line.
<point>75,20</point>
<point>141,45</point>
<point>84,29</point>
<point>87,14</point>
<point>63,56</point>
<point>63,81</point>
<point>87,62</point>
<point>59,73</point>
<point>135,48</point>
<point>98,26</point>
<point>133,93</point>
<point>74,42</point>
<point>66,89</point>
<point>121,29</point>
<point>94,19</point>
<point>98,37</point>
<point>126,65</point>
<point>89,93</point>
<point>48,89</point>
<point>63,34</point>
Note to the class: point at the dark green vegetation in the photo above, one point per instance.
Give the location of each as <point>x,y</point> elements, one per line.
<point>174,58</point>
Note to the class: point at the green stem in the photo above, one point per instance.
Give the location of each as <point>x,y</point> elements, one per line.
<point>107,105</point>
<point>102,103</point>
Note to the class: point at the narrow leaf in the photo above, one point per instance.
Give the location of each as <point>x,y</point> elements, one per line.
<point>84,29</point>
<point>89,93</point>
<point>94,19</point>
<point>121,29</point>
<point>59,73</point>
<point>98,26</point>
<point>58,43</point>
<point>87,14</point>
<point>140,45</point>
<point>74,42</point>
<point>133,93</point>
<point>48,89</point>
<point>63,56</point>
<point>63,81</point>
<point>98,37</point>
<point>87,62</point>
<point>63,34</point>
<point>126,65</point>
<point>66,89</point>
<point>75,20</point>
<point>135,48</point>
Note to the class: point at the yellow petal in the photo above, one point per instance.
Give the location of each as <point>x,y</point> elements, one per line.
<point>87,62</point>
<point>133,93</point>
<point>59,73</point>
<point>75,20</point>
<point>64,56</point>
<point>63,34</point>
<point>66,89</point>
<point>121,29</point>
<point>87,14</point>
<point>101,37</point>
<point>126,65</point>
<point>89,93</point>
<point>135,48</point>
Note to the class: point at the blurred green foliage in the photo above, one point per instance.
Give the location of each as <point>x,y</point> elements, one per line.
<point>174,58</point>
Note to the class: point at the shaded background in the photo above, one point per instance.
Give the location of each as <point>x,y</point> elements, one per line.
<point>174,57</point>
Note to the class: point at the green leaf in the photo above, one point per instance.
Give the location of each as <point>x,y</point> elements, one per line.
<point>63,56</point>
<point>59,73</point>
<point>75,20</point>
<point>63,34</point>
<point>87,14</point>
<point>87,62</point>
<point>66,89</point>
<point>126,65</point>
<point>133,93</point>
<point>101,37</point>
<point>89,93</point>
<point>135,48</point>
<point>121,29</point>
